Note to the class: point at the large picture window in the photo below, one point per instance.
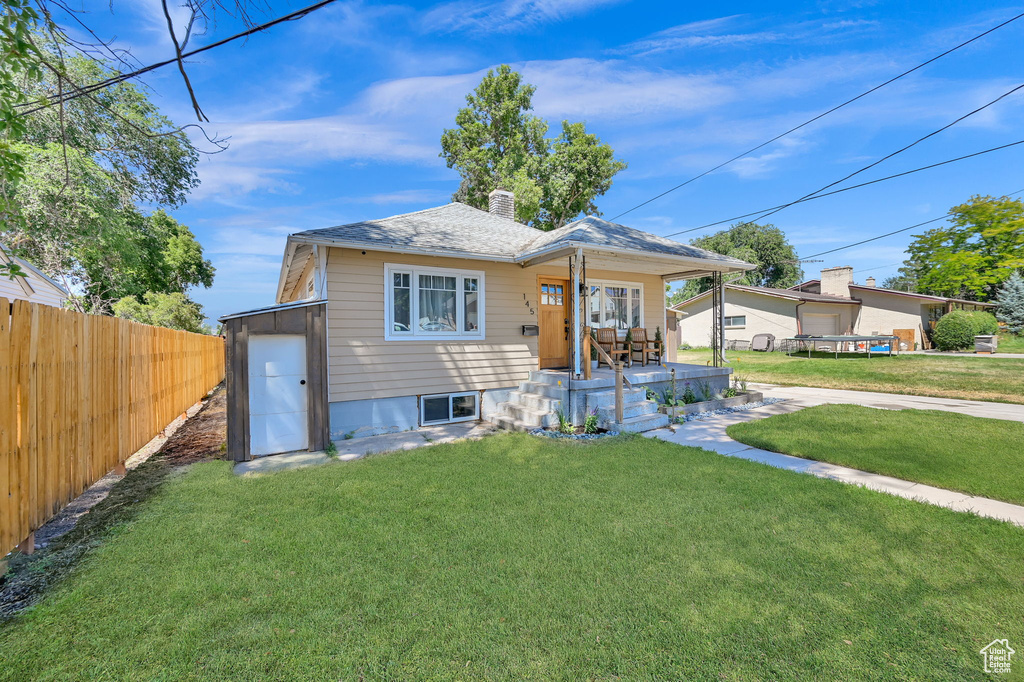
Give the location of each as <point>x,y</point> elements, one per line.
<point>435,303</point>
<point>619,305</point>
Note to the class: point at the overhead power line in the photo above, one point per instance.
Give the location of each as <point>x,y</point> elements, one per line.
<point>847,189</point>
<point>892,154</point>
<point>113,80</point>
<point>889,234</point>
<point>822,115</point>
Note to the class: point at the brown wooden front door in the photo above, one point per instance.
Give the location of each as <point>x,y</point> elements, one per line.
<point>554,322</point>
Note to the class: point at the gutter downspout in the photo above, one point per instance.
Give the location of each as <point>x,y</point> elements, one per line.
<point>796,311</point>
<point>576,311</point>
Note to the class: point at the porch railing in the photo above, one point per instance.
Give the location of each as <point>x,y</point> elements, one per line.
<point>620,379</point>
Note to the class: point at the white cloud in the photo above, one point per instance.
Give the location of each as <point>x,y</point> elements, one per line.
<point>250,240</point>
<point>219,180</point>
<point>505,16</point>
<point>407,196</point>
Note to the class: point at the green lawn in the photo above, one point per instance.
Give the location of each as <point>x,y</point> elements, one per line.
<point>518,558</point>
<point>995,379</point>
<point>970,454</point>
<point>1010,343</point>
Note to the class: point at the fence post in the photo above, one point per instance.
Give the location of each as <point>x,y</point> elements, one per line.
<point>618,392</point>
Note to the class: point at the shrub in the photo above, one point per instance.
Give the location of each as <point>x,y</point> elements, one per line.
<point>689,396</point>
<point>984,323</point>
<point>954,331</point>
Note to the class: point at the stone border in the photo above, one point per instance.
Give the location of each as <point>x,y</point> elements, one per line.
<point>711,405</point>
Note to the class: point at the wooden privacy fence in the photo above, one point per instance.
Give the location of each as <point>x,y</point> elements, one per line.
<point>78,395</point>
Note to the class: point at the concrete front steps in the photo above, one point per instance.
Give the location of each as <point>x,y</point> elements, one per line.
<point>638,413</point>
<point>537,401</point>
<point>533,405</point>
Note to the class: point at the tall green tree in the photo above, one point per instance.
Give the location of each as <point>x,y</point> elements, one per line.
<point>174,311</point>
<point>86,168</point>
<point>19,63</point>
<point>498,143</point>
<point>765,246</point>
<point>1010,303</point>
<point>976,252</point>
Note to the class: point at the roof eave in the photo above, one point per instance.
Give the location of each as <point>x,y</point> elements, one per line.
<point>376,246</point>
<point>286,264</point>
<point>271,308</point>
<point>561,249</point>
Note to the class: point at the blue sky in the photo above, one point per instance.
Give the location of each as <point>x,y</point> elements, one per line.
<point>337,117</point>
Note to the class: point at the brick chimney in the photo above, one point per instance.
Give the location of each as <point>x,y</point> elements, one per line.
<point>870,282</point>
<point>502,203</point>
<point>837,281</point>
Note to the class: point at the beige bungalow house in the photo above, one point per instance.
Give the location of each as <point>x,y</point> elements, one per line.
<point>449,314</point>
<point>832,304</point>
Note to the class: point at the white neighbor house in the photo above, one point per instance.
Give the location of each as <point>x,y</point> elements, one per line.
<point>33,286</point>
<point>833,304</point>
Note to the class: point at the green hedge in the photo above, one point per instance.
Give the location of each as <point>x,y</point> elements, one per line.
<point>984,323</point>
<point>956,330</point>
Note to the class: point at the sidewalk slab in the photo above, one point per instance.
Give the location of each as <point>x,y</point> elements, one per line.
<point>710,434</point>
<point>357,448</point>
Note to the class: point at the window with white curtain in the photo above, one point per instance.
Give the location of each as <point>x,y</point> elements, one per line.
<point>436,303</point>
<point>618,305</point>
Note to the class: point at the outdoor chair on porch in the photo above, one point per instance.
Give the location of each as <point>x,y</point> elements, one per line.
<point>608,340</point>
<point>646,348</point>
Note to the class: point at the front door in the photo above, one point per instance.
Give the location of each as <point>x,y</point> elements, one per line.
<point>554,322</point>
<point>277,394</point>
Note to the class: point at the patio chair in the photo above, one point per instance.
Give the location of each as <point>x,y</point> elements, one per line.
<point>606,338</point>
<point>643,346</point>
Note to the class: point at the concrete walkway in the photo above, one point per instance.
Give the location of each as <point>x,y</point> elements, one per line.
<point>711,435</point>
<point>357,448</point>
<point>964,354</point>
<point>806,397</point>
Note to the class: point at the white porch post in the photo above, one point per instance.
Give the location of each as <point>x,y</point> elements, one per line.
<point>577,330</point>
<point>721,318</point>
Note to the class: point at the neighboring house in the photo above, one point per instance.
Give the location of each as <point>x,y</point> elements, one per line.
<point>436,316</point>
<point>833,304</point>
<point>33,286</point>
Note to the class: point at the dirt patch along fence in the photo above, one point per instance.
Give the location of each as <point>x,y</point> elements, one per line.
<point>78,395</point>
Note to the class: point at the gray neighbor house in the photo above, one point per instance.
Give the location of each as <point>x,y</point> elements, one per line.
<point>451,314</point>
<point>833,304</point>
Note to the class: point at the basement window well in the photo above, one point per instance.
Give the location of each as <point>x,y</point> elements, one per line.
<point>450,407</point>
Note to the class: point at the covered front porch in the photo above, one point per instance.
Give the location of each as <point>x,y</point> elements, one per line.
<point>587,297</point>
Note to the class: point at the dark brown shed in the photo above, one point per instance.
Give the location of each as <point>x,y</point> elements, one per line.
<point>276,379</point>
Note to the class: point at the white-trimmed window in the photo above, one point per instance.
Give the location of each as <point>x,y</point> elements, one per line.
<point>449,407</point>
<point>433,303</point>
<point>735,321</point>
<point>619,305</point>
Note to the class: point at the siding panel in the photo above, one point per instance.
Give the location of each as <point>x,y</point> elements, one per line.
<point>365,366</point>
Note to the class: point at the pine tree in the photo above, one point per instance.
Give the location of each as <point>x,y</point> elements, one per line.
<point>1010,303</point>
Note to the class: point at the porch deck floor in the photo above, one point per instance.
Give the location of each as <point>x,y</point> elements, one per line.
<point>637,374</point>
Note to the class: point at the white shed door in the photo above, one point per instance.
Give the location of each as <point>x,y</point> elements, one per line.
<point>820,325</point>
<point>277,394</point>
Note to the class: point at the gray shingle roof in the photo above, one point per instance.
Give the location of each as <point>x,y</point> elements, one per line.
<point>791,294</point>
<point>460,229</point>
<point>454,228</point>
<point>602,233</point>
